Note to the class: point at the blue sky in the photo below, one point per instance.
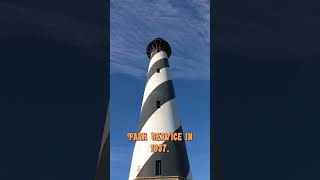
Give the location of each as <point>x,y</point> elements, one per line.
<point>185,25</point>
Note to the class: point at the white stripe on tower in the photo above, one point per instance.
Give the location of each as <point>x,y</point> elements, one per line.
<point>159,114</point>
<point>155,80</point>
<point>156,57</point>
<point>169,123</point>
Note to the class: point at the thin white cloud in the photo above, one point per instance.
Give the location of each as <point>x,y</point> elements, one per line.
<point>184,24</point>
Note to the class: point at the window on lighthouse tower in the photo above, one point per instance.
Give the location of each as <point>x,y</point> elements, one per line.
<point>158,104</point>
<point>158,70</point>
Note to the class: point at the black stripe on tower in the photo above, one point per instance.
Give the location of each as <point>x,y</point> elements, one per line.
<point>157,66</point>
<point>175,161</point>
<point>162,94</point>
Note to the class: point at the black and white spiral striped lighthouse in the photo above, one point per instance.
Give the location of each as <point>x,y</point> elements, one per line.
<point>159,114</point>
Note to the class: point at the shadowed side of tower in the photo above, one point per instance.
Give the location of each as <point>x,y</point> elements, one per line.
<point>159,114</point>
<point>103,172</point>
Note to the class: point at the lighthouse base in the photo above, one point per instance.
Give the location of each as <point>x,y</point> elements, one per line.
<point>162,178</point>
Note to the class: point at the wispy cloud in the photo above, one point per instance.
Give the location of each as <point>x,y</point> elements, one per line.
<point>184,24</point>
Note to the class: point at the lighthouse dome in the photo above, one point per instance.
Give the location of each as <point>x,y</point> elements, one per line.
<point>158,45</point>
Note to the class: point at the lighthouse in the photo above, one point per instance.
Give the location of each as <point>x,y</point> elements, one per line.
<point>159,114</point>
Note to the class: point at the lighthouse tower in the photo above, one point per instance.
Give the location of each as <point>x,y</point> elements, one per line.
<point>159,114</point>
